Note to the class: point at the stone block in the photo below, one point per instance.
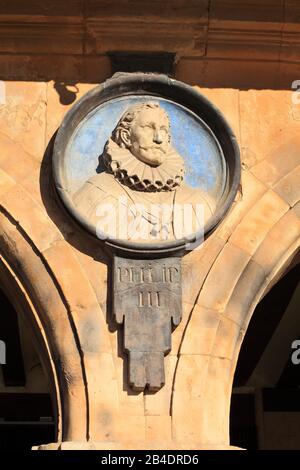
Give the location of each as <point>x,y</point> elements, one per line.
<point>227,101</point>
<point>217,397</point>
<point>103,395</point>
<point>130,430</point>
<point>237,72</point>
<point>33,274</point>
<point>45,67</point>
<point>33,220</point>
<point>130,403</point>
<point>227,338</point>
<point>69,366</point>
<point>33,9</point>
<point>252,191</point>
<point>158,429</point>
<point>70,277</point>
<point>81,300</point>
<point>6,182</point>
<point>254,227</point>
<point>60,97</point>
<point>159,403</point>
<point>257,110</point>
<point>281,161</point>
<point>190,375</point>
<point>235,11</point>
<point>58,330</point>
<point>191,70</point>
<point>282,235</point>
<point>73,394</point>
<point>96,269</point>
<point>92,330</point>
<point>58,38</point>
<point>32,184</point>
<point>121,8</point>
<point>250,283</point>
<point>180,29</point>
<point>178,333</point>
<point>195,267</point>
<point>287,73</point>
<point>292,11</point>
<point>15,161</point>
<point>288,187</point>
<point>52,446</point>
<point>223,277</point>
<point>23,117</point>
<point>201,331</point>
<point>296,210</point>
<point>187,403</point>
<point>184,38</point>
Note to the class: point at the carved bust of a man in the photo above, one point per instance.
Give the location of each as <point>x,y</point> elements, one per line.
<point>142,186</point>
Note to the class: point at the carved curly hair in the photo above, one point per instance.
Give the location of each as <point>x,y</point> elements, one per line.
<point>129,116</point>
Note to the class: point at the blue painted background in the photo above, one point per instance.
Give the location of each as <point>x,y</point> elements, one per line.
<point>204,162</point>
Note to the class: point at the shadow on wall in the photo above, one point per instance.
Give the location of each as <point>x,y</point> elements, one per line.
<point>67,92</point>
<point>218,44</point>
<point>205,72</point>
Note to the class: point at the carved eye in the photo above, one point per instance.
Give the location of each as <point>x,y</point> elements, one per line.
<point>146,128</point>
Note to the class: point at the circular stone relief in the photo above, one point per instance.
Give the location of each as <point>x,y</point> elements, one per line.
<point>146,163</point>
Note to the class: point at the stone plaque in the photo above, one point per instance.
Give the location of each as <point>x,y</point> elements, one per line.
<point>148,166</point>
<point>147,301</point>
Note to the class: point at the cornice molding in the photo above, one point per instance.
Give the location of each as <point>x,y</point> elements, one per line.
<point>191,28</point>
<point>86,30</point>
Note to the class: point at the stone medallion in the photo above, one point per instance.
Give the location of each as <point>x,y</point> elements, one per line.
<point>149,167</point>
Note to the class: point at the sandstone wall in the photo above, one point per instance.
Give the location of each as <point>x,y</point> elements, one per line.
<point>63,276</point>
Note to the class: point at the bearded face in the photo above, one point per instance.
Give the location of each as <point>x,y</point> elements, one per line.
<point>149,136</point>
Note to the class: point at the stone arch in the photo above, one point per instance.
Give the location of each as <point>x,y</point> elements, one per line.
<point>257,250</point>
<point>48,270</point>
<point>30,288</point>
<point>63,308</point>
<point>18,297</point>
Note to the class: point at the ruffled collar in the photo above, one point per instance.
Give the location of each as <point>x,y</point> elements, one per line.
<point>138,175</point>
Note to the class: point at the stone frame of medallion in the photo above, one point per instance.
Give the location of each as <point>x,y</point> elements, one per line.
<point>162,86</point>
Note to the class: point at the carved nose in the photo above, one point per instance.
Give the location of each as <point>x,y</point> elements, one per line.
<point>157,138</point>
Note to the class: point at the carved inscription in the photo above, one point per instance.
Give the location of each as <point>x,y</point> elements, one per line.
<point>147,300</point>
